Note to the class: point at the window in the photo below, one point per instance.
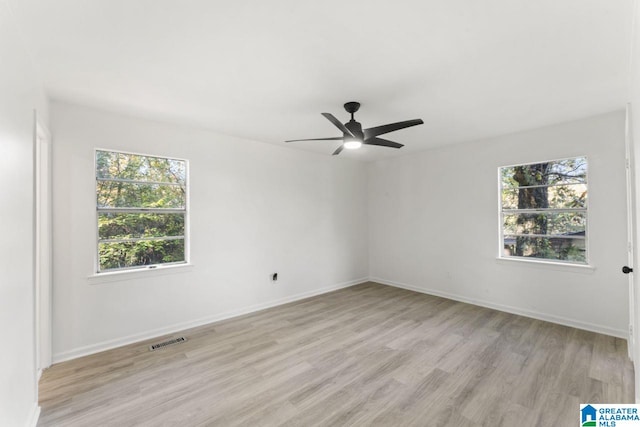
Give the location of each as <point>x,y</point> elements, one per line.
<point>141,210</point>
<point>543,211</point>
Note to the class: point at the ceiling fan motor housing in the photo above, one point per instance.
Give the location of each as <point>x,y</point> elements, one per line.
<point>356,130</point>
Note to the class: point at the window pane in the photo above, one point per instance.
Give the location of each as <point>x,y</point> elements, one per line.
<point>114,194</point>
<point>153,192</point>
<point>567,171</point>
<point>127,226</point>
<point>544,210</point>
<point>545,223</point>
<point>568,196</point>
<point>133,254</point>
<point>135,167</point>
<point>553,248</point>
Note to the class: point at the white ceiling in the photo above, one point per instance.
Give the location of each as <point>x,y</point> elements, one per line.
<point>265,70</point>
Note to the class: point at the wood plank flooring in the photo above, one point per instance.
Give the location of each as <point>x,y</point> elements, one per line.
<point>365,355</point>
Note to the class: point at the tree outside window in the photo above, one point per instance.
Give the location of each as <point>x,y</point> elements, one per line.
<point>141,210</point>
<point>544,210</point>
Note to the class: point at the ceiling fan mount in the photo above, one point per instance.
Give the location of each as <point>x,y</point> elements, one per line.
<point>352,107</point>
<point>353,136</point>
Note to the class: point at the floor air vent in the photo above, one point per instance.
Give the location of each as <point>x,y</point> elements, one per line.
<point>167,343</point>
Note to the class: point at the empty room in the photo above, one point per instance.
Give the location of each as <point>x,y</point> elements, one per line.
<point>410,213</point>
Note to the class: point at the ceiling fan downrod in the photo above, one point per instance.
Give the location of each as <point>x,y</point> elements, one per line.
<point>352,107</point>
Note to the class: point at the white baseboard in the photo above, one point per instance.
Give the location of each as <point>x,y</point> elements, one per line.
<point>34,415</point>
<point>119,342</point>
<point>620,333</point>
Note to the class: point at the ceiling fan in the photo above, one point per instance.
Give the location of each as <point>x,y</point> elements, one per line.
<point>354,136</point>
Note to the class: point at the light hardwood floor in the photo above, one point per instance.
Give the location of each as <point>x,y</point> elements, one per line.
<point>365,355</point>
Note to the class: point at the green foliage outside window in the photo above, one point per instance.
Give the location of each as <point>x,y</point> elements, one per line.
<point>544,210</point>
<point>141,202</point>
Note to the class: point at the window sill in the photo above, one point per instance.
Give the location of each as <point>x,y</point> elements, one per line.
<point>118,276</point>
<point>549,265</point>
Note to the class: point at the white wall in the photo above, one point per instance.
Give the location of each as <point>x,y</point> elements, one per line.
<point>20,95</point>
<point>255,209</point>
<point>434,226</point>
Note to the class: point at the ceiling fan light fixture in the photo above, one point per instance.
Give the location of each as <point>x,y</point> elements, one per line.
<point>352,144</point>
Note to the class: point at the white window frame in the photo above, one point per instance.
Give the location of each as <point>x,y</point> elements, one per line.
<point>501,213</point>
<point>187,233</point>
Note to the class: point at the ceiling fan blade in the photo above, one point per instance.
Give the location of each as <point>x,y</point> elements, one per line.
<point>335,153</point>
<point>336,138</point>
<point>337,123</point>
<point>379,130</point>
<point>382,142</point>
